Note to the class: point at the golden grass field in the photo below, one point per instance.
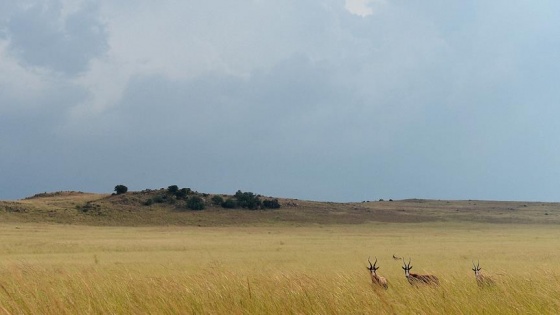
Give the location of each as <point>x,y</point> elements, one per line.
<point>276,269</point>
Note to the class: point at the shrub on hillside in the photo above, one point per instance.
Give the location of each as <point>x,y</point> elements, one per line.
<point>173,189</point>
<point>121,189</point>
<point>248,200</point>
<point>271,204</point>
<point>182,193</point>
<point>229,203</point>
<point>195,203</point>
<point>159,199</point>
<point>217,200</point>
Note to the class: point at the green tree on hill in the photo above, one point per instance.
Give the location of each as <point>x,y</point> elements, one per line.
<point>121,189</point>
<point>248,200</point>
<point>173,189</point>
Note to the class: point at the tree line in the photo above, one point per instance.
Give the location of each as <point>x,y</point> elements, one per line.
<point>194,200</point>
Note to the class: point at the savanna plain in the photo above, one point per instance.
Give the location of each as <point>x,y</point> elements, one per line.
<point>281,267</point>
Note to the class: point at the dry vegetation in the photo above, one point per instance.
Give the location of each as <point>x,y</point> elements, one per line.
<point>129,210</point>
<point>59,269</point>
<point>121,257</point>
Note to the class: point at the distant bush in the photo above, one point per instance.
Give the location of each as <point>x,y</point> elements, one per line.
<point>195,203</point>
<point>182,193</point>
<point>271,204</point>
<point>229,203</point>
<point>159,199</point>
<point>121,189</point>
<point>149,202</point>
<point>217,200</point>
<point>173,189</point>
<point>248,200</point>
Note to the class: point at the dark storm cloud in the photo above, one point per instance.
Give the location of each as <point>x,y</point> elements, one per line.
<point>288,98</point>
<point>34,157</point>
<point>293,106</point>
<point>41,36</point>
<point>220,132</point>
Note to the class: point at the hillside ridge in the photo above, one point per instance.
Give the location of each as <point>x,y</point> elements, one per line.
<point>152,207</point>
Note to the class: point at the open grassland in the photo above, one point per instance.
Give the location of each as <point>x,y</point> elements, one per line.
<point>276,269</point>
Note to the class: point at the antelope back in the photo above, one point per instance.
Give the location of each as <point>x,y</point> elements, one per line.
<point>383,282</point>
<point>422,279</point>
<point>483,281</point>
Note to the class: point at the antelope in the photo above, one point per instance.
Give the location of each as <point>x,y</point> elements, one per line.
<point>480,279</point>
<point>396,258</point>
<point>375,278</point>
<point>416,278</point>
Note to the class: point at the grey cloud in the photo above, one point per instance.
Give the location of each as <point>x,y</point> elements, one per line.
<point>288,100</point>
<point>41,36</point>
<point>221,131</point>
<point>34,158</point>
<point>429,100</point>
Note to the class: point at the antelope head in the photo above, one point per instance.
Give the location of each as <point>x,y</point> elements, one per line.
<point>406,267</point>
<point>476,268</point>
<point>372,268</point>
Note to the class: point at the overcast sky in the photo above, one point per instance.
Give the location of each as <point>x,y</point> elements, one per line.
<point>335,100</point>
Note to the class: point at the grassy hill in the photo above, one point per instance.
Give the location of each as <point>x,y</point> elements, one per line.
<point>131,209</point>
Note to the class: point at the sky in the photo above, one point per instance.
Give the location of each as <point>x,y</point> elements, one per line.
<point>330,100</point>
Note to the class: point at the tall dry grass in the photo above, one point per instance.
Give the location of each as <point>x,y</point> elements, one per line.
<point>52,269</point>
